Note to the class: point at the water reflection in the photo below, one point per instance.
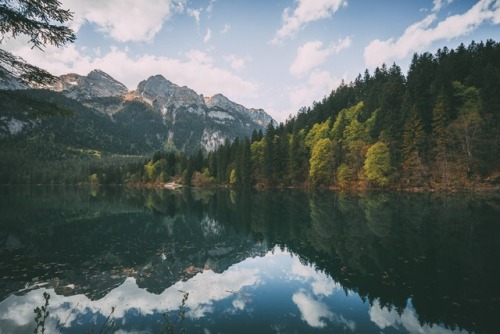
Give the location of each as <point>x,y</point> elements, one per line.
<point>275,262</point>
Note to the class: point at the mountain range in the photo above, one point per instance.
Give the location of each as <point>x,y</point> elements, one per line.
<point>106,116</point>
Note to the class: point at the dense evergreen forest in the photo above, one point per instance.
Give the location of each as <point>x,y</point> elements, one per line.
<point>435,128</point>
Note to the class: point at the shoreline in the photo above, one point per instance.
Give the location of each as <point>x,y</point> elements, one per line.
<point>172,185</point>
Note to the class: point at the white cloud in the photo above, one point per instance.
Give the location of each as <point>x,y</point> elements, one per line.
<point>239,304</point>
<point>438,4</point>
<point>313,312</point>
<point>123,20</point>
<point>208,36</point>
<point>311,55</point>
<point>420,35</point>
<point>321,285</point>
<point>226,28</point>
<point>204,289</point>
<point>185,70</point>
<point>383,317</point>
<point>319,84</point>
<point>237,63</point>
<point>305,12</point>
<point>195,13</point>
<point>210,7</point>
<point>199,57</point>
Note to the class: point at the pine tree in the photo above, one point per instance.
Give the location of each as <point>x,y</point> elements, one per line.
<point>243,168</point>
<point>440,120</point>
<point>297,159</point>
<point>413,148</point>
<point>467,128</point>
<point>42,21</point>
<point>268,155</point>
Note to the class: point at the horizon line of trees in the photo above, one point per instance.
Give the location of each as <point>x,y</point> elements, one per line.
<point>436,127</point>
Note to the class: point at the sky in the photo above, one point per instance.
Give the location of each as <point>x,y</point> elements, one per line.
<point>279,55</point>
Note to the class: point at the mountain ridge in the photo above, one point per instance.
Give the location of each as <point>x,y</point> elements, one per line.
<point>189,120</point>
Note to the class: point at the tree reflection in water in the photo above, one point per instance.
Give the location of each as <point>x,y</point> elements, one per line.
<point>416,260</point>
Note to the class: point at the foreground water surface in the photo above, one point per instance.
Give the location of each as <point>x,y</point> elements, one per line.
<point>121,260</point>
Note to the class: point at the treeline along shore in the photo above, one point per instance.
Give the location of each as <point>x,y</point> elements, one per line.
<point>435,128</point>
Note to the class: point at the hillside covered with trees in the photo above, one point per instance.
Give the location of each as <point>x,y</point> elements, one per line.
<point>437,127</point>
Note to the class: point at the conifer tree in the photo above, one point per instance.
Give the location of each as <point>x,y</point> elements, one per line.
<point>43,22</point>
<point>268,154</point>
<point>466,129</point>
<point>413,148</point>
<point>440,120</point>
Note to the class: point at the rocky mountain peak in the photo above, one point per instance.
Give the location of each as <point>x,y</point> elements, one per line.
<point>167,93</point>
<point>179,116</point>
<point>219,102</point>
<point>156,85</point>
<point>95,84</point>
<point>100,76</point>
<point>67,81</point>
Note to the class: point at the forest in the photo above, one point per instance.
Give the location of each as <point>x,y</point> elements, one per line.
<point>435,128</point>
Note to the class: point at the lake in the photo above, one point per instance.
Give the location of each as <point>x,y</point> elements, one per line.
<point>224,261</point>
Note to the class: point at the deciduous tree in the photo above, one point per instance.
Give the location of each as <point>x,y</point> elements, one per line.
<point>321,163</point>
<point>378,164</point>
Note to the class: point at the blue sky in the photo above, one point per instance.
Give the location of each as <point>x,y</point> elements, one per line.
<point>278,55</point>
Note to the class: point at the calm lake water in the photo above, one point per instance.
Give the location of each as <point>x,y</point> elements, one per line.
<point>266,262</point>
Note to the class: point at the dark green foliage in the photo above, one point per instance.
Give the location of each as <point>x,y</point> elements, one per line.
<point>42,21</point>
<point>439,127</point>
<point>268,154</point>
<point>439,124</point>
<point>142,124</point>
<point>83,129</point>
<point>33,106</point>
<point>70,148</point>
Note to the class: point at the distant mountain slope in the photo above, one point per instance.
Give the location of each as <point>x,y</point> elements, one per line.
<point>107,117</point>
<point>193,121</point>
<point>95,84</point>
<point>84,130</point>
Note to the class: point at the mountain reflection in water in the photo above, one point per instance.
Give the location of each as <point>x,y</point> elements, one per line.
<point>269,262</point>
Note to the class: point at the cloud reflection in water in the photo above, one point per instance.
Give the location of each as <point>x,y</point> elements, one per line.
<point>308,289</point>
<point>384,318</point>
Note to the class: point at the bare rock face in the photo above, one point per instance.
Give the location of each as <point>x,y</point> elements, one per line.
<point>67,81</point>
<point>222,104</point>
<point>190,121</point>
<point>158,86</point>
<point>169,97</point>
<point>194,121</point>
<point>95,84</point>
